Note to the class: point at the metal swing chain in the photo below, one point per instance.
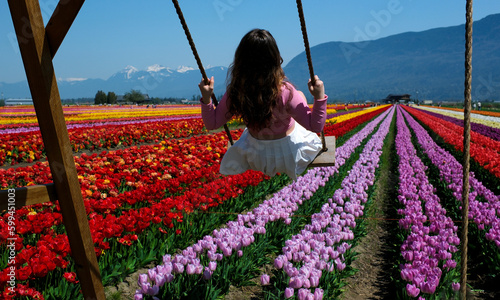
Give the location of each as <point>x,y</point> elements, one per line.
<point>309,60</point>
<point>198,60</point>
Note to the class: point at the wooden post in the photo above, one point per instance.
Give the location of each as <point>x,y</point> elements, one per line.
<point>37,59</point>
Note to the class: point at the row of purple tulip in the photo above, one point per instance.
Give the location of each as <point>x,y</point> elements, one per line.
<point>432,236</point>
<point>240,233</point>
<point>320,246</point>
<point>484,205</point>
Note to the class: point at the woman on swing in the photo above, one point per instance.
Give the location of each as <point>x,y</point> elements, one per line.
<point>281,128</point>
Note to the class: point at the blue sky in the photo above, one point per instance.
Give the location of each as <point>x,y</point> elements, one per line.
<point>109,35</point>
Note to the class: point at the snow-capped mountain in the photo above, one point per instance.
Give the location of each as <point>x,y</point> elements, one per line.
<point>160,81</point>
<point>184,69</point>
<point>71,79</point>
<point>155,80</point>
<point>158,68</point>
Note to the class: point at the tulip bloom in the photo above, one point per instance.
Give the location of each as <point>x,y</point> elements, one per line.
<point>264,279</point>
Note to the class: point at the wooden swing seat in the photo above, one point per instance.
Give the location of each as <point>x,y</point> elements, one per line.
<point>324,158</point>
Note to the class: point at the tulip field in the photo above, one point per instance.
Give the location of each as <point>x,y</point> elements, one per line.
<point>156,203</point>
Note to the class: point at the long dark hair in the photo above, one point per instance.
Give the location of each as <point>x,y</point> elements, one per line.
<point>255,78</point>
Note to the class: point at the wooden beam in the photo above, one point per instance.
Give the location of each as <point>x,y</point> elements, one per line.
<point>35,194</point>
<point>37,59</point>
<point>60,22</point>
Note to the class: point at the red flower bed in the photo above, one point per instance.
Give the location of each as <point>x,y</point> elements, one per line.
<point>482,149</point>
<point>339,129</point>
<point>28,147</point>
<point>125,192</point>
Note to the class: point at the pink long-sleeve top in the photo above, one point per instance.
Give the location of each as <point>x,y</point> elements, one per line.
<point>290,108</point>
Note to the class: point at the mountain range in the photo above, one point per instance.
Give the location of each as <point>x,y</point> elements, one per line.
<point>427,65</point>
<point>156,81</point>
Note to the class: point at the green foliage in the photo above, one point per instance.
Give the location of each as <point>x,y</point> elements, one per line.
<point>111,98</point>
<point>134,96</point>
<point>116,296</point>
<point>156,100</point>
<point>2,102</point>
<point>100,98</point>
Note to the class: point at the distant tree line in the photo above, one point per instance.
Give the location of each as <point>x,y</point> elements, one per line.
<point>102,98</point>
<point>134,96</point>
<point>111,98</point>
<point>158,100</point>
<point>77,101</point>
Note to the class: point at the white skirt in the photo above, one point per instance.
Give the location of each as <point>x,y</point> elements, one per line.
<point>289,155</point>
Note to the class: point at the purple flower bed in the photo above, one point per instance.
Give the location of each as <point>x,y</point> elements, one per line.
<point>320,245</point>
<point>20,130</point>
<point>493,133</point>
<point>240,233</point>
<point>485,214</point>
<point>432,236</point>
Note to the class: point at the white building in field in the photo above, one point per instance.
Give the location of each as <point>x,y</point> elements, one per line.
<point>10,102</point>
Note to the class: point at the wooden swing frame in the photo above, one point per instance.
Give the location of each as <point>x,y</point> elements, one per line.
<point>38,45</point>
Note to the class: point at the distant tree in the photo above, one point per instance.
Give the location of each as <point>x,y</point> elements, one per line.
<point>100,98</point>
<point>2,102</point>
<point>133,96</point>
<point>156,100</point>
<point>111,98</point>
